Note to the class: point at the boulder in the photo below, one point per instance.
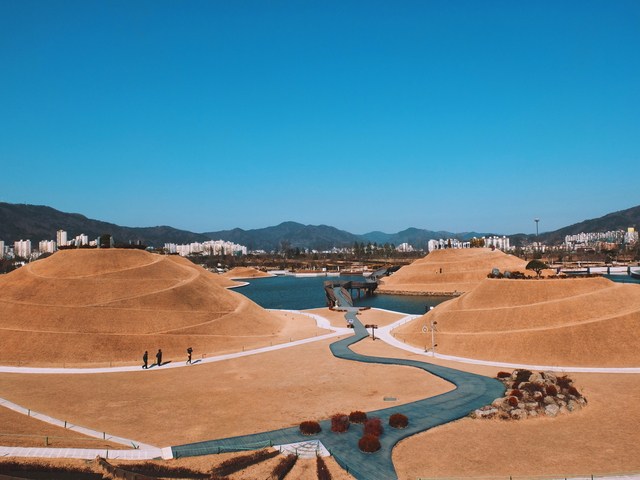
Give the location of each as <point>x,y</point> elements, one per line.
<point>518,414</point>
<point>549,400</point>
<point>488,413</point>
<point>535,377</point>
<point>552,410</point>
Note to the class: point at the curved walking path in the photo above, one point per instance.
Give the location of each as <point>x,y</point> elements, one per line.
<point>385,334</point>
<point>473,391</point>
<point>337,443</point>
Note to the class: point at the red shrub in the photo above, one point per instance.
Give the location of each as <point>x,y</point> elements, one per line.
<point>339,423</point>
<point>373,426</point>
<point>517,393</point>
<point>357,417</point>
<point>513,401</point>
<point>503,375</point>
<point>398,420</point>
<point>369,444</point>
<point>551,390</point>
<point>310,427</point>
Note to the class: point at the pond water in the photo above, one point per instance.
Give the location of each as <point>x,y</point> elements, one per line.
<point>294,293</point>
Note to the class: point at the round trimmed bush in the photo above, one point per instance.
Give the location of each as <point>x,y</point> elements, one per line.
<point>503,375</point>
<point>551,390</point>
<point>517,393</point>
<point>369,444</point>
<point>310,427</point>
<point>357,417</point>
<point>513,401</point>
<point>339,423</point>
<point>373,426</point>
<point>398,420</point>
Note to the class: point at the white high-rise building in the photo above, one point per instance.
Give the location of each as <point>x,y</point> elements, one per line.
<point>1,249</point>
<point>47,246</point>
<point>61,238</point>
<point>501,243</point>
<point>22,248</point>
<point>82,239</point>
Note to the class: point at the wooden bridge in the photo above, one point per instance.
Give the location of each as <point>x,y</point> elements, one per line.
<point>366,287</point>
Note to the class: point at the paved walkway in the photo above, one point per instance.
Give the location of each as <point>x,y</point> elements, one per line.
<point>466,383</point>
<point>473,391</point>
<point>140,450</point>
<point>320,321</point>
<point>385,334</point>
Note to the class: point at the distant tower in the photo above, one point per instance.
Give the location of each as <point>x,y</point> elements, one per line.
<point>536,220</point>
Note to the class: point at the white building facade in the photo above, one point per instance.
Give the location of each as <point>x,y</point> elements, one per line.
<point>22,248</point>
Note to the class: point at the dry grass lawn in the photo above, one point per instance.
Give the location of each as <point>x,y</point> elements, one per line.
<point>100,307</point>
<point>601,438</point>
<point>245,272</point>
<point>246,395</point>
<point>20,430</point>
<point>449,271</point>
<point>85,307</point>
<point>378,317</point>
<point>305,469</point>
<point>589,322</point>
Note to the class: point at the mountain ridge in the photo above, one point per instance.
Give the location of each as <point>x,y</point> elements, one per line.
<point>40,222</point>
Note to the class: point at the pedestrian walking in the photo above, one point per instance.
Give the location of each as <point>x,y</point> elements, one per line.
<point>189,352</point>
<point>159,357</point>
<point>145,359</point>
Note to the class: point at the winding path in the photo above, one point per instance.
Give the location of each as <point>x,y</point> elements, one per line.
<point>473,391</point>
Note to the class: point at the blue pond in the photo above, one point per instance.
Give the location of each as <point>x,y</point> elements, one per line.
<point>289,292</point>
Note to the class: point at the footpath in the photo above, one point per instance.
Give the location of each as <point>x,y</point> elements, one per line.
<point>472,391</point>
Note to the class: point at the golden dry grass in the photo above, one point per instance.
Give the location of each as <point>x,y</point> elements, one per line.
<point>574,322</point>
<point>19,430</point>
<point>546,321</point>
<point>245,272</point>
<point>82,307</point>
<point>601,438</point>
<point>448,271</point>
<point>245,395</point>
<point>337,319</point>
<point>305,469</point>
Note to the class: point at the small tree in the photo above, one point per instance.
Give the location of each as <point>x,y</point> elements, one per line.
<point>537,266</point>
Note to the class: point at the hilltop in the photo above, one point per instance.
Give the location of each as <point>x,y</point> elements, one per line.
<point>109,305</point>
<point>38,222</point>
<point>450,271</point>
<point>583,322</point>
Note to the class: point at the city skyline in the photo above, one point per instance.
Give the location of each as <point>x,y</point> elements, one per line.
<point>211,116</point>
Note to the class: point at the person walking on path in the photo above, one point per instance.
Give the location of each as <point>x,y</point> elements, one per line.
<point>189,352</point>
<point>145,359</point>
<point>159,357</point>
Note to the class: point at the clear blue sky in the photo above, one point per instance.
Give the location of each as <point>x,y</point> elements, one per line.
<point>208,115</point>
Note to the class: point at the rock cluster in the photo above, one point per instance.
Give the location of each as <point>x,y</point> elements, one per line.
<point>533,394</point>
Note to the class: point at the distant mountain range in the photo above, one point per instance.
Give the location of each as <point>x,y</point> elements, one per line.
<point>36,222</point>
